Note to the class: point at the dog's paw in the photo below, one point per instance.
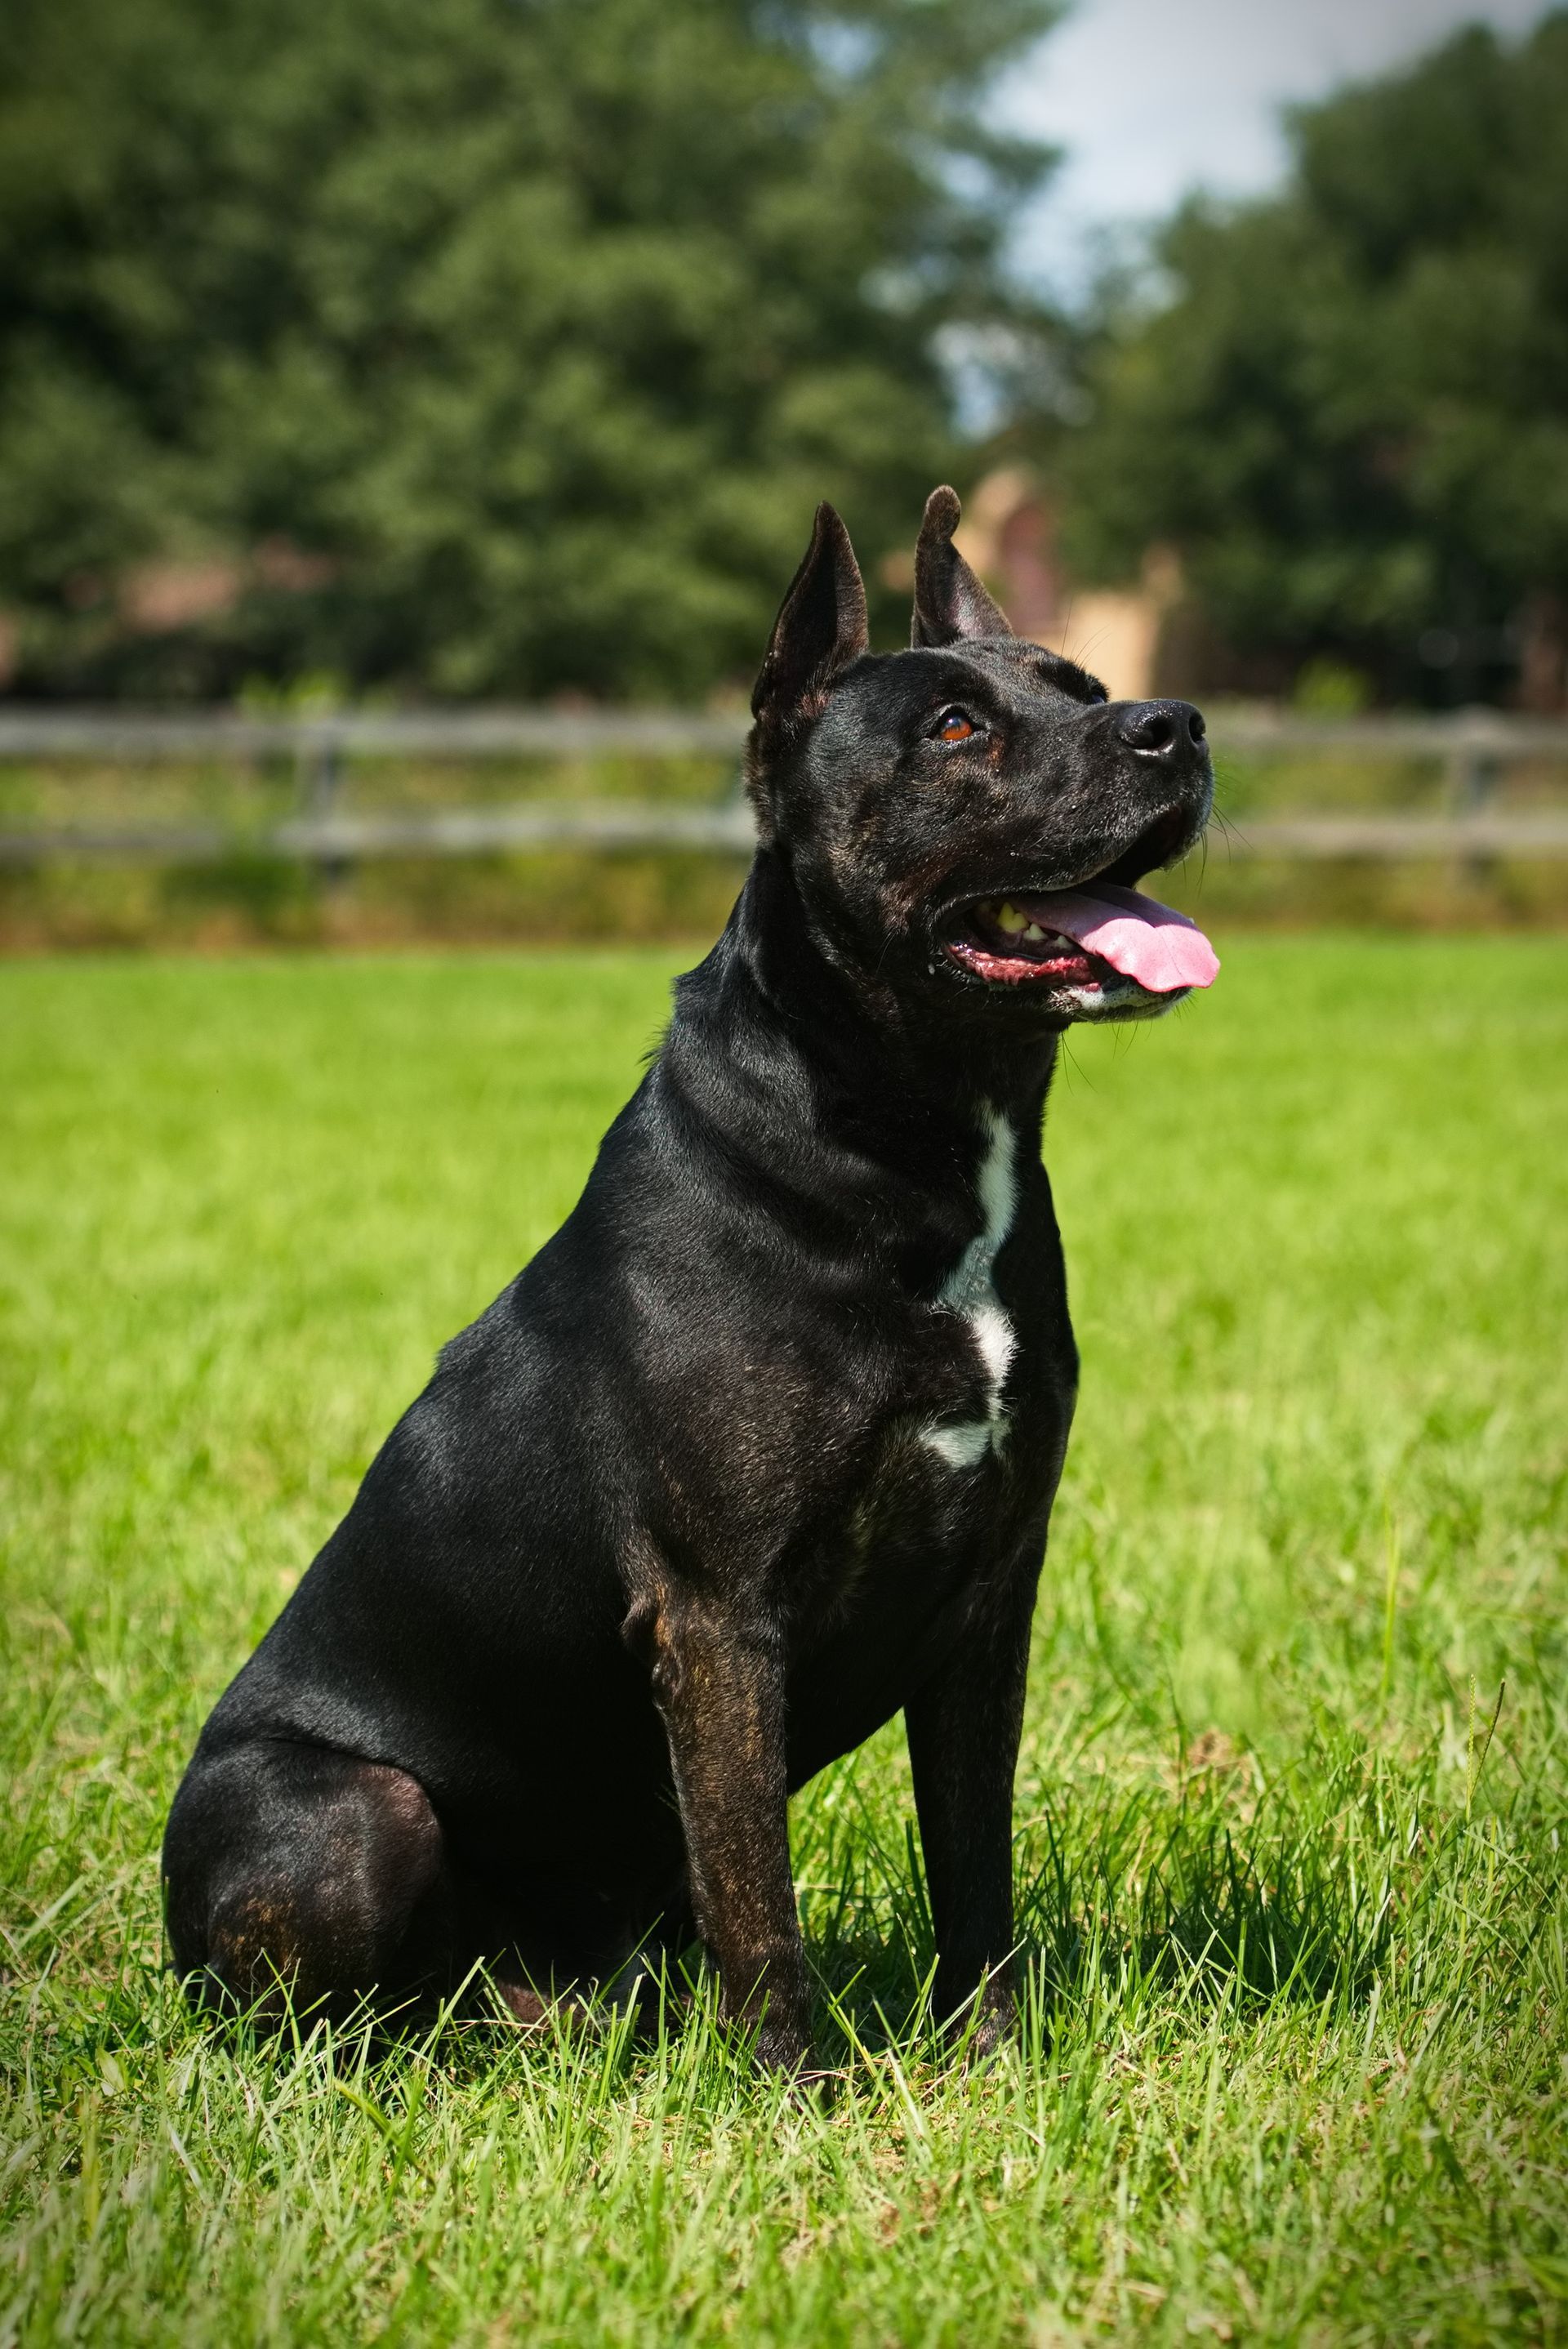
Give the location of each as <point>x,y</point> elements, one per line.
<point>983,2025</point>
<point>520,2003</point>
<point>778,2049</point>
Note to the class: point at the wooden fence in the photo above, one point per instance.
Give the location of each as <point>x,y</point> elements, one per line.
<point>1474,746</point>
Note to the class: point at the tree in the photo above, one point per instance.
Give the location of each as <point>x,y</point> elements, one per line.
<point>1349,411</point>
<point>495,345</point>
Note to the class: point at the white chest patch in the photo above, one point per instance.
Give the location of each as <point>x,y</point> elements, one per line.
<point>970,1289</point>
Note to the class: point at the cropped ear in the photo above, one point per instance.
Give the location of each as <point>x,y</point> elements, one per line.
<point>949,601</point>
<point>820,627</point>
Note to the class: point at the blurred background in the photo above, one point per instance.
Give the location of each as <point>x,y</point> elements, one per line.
<point>409,419</point>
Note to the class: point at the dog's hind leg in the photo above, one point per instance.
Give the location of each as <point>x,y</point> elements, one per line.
<point>294,1872</point>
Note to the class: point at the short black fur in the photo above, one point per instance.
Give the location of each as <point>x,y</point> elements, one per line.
<point>737,1466</point>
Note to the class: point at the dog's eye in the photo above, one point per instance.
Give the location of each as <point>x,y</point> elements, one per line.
<point>955,726</point>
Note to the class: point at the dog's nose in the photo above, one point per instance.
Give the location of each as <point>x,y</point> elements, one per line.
<point>1170,731</point>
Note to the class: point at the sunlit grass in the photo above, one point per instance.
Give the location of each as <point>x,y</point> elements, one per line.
<point>1292,1795</point>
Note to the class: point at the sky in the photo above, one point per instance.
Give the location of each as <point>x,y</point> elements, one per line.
<point>1153,98</point>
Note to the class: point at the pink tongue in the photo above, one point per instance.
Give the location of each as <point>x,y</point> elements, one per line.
<point>1144,940</point>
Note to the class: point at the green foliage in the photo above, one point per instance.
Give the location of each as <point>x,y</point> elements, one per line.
<point>539,328</point>
<point>1294,2069</point>
<point>1326,687</point>
<point>1350,412</point>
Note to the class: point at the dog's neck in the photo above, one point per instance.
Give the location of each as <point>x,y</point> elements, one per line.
<point>803,1041</point>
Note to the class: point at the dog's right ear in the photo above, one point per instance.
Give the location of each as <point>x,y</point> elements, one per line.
<point>950,603</point>
<point>820,629</point>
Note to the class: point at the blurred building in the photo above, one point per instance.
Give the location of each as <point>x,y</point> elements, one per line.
<point>1123,636</point>
<point>1154,639</point>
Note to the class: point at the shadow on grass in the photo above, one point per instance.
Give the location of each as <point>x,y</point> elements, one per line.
<point>1209,1887</point>
<point>1200,1886</point>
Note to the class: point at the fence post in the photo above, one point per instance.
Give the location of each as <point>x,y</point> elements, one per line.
<point>1473,768</point>
<point>321,778</point>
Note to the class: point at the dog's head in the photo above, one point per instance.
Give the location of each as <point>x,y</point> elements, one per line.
<point>965,820</point>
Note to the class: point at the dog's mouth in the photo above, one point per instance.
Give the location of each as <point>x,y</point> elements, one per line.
<point>1104,947</point>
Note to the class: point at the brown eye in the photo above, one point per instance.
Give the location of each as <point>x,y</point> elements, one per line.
<point>955,726</point>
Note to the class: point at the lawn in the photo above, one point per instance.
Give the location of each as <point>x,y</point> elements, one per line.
<point>1290,1807</point>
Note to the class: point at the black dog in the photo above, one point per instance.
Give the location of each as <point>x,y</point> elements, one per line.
<point>762,1446</point>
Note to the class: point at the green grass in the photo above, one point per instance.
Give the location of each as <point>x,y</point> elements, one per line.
<point>1294,2063</point>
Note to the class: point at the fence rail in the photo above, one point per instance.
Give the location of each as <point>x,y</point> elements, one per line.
<point>149,736</point>
<point>1474,746</point>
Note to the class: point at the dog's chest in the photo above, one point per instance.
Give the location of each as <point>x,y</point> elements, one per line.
<point>937,1451</point>
<point>946,1465</point>
<point>961,1441</point>
<point>956,1471</point>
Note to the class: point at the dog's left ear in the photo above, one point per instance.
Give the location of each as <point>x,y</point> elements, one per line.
<point>949,601</point>
<point>820,627</point>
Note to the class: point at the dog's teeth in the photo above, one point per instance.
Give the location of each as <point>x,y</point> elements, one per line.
<point>1034,931</point>
<point>1008,918</point>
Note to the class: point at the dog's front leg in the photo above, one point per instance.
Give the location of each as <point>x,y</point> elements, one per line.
<point>964,1728</point>
<point>720,1685</point>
